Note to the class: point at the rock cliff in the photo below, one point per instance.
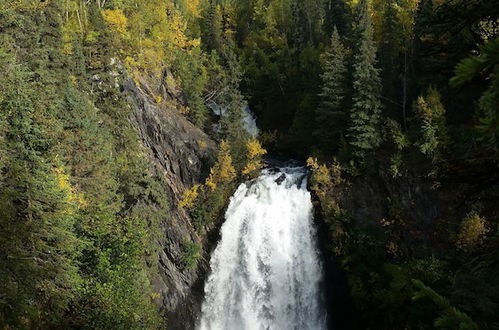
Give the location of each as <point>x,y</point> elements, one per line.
<point>182,155</point>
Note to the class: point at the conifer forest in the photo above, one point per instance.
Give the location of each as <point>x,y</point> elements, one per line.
<point>249,164</point>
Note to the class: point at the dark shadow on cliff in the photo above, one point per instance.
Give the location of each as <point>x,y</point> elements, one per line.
<point>341,310</point>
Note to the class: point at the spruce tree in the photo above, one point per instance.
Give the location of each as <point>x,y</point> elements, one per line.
<point>363,133</point>
<point>330,115</point>
<point>38,247</point>
<point>232,122</point>
<point>212,36</point>
<point>230,97</point>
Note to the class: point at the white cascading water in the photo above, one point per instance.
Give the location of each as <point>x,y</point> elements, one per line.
<point>266,270</point>
<point>248,117</point>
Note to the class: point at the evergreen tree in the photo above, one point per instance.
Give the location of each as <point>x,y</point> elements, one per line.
<point>117,219</point>
<point>486,64</point>
<point>232,122</point>
<point>75,195</point>
<point>38,247</point>
<point>430,116</point>
<point>363,132</point>
<point>330,115</point>
<point>388,53</point>
<point>307,18</point>
<point>220,41</point>
<point>194,76</point>
<point>212,31</point>
<point>337,16</point>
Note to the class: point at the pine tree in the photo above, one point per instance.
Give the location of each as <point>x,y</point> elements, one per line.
<point>212,37</point>
<point>231,99</point>
<point>363,133</point>
<point>194,77</point>
<point>330,115</point>
<point>226,69</point>
<point>232,126</point>
<point>38,247</point>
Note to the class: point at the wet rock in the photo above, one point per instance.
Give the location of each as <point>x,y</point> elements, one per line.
<point>280,179</point>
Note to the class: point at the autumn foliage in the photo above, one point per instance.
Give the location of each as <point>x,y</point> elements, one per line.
<point>223,171</point>
<point>254,157</point>
<point>189,197</point>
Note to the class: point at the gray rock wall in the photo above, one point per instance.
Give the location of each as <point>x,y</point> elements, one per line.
<point>182,155</point>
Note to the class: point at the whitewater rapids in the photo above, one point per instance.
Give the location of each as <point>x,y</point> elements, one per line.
<point>266,271</point>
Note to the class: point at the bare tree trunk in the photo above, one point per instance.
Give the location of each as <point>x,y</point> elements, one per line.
<point>79,19</point>
<point>404,92</point>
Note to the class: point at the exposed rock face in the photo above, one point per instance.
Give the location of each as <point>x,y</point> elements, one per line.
<point>182,155</point>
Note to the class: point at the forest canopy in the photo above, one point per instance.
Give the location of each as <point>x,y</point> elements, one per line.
<point>362,86</point>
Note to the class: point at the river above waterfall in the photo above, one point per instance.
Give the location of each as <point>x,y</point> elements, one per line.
<point>266,271</point>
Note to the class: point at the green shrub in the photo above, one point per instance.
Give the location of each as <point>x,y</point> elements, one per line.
<point>190,255</point>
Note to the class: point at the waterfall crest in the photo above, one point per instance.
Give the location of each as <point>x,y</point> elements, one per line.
<point>266,270</point>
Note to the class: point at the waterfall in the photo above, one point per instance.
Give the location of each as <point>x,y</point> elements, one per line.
<point>248,117</point>
<point>249,121</point>
<point>265,271</point>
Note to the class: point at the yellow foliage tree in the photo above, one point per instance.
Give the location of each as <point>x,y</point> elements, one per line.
<point>472,231</point>
<point>406,13</point>
<point>254,157</point>
<point>223,171</point>
<point>325,182</point>
<point>116,20</point>
<point>189,197</point>
<point>72,198</point>
<point>158,33</point>
<point>323,177</point>
<point>312,163</point>
<point>194,7</point>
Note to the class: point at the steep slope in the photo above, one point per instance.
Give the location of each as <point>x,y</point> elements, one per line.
<point>182,155</point>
